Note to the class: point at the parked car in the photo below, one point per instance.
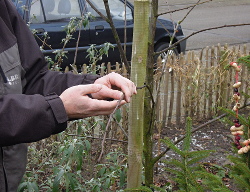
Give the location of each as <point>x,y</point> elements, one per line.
<point>52,16</point>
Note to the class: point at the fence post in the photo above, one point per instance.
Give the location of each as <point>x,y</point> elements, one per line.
<point>171,103</point>
<point>178,96</point>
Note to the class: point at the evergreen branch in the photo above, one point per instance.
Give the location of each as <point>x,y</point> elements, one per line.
<point>222,190</point>
<point>173,171</point>
<point>211,179</point>
<point>232,113</point>
<point>190,177</point>
<point>245,60</point>
<point>197,159</point>
<point>192,154</point>
<point>236,158</point>
<point>187,140</point>
<point>241,182</point>
<point>243,168</point>
<point>172,146</point>
<point>194,130</point>
<point>175,163</point>
<point>245,95</point>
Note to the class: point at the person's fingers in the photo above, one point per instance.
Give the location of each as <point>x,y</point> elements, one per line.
<point>128,89</point>
<point>115,80</point>
<point>88,89</point>
<point>102,107</point>
<point>78,105</point>
<point>106,93</point>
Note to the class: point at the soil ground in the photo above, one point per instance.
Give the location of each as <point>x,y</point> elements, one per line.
<point>215,136</point>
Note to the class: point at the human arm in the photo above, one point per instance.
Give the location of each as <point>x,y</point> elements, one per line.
<point>30,108</point>
<point>78,104</point>
<point>37,111</point>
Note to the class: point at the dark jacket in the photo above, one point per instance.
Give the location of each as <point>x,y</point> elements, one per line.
<point>30,108</point>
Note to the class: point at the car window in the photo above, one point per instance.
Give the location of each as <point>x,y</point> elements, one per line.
<point>117,9</point>
<point>53,10</point>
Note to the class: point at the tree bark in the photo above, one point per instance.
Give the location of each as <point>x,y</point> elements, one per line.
<point>138,75</point>
<point>149,103</point>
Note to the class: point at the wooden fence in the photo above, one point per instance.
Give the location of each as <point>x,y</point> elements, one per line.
<point>197,83</point>
<point>194,84</point>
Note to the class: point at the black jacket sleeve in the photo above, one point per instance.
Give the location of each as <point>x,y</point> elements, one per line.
<point>38,112</point>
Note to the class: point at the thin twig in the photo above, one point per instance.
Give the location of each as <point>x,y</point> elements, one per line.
<point>182,8</point>
<point>109,20</point>
<point>189,12</point>
<point>170,44</point>
<point>124,132</point>
<point>78,40</point>
<point>194,33</point>
<point>91,137</point>
<point>107,126</point>
<point>109,121</point>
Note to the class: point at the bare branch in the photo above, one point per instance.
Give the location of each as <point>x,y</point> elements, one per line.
<point>110,22</point>
<point>182,8</point>
<point>194,33</point>
<point>96,10</point>
<point>189,12</point>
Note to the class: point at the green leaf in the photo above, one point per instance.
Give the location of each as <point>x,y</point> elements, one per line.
<point>96,188</point>
<point>22,186</point>
<point>87,145</point>
<point>57,180</point>
<point>102,171</point>
<point>29,186</point>
<point>118,115</point>
<point>122,179</point>
<point>107,183</point>
<point>35,186</point>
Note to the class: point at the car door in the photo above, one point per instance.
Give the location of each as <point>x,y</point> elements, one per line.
<point>52,16</point>
<point>100,30</point>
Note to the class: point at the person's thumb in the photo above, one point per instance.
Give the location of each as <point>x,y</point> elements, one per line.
<point>91,88</point>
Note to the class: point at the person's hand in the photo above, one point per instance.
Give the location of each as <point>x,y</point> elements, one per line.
<point>114,85</point>
<point>78,104</point>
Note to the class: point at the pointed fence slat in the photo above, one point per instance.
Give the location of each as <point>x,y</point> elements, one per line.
<point>194,84</point>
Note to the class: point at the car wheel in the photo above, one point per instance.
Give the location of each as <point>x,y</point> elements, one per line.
<point>161,46</point>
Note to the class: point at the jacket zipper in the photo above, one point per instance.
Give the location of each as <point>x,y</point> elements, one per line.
<point>4,172</point>
<point>3,75</point>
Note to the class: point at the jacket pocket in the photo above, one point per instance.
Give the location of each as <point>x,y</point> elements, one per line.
<point>11,70</point>
<point>3,75</point>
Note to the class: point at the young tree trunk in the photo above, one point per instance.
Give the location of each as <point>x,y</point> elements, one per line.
<point>149,104</point>
<point>138,75</point>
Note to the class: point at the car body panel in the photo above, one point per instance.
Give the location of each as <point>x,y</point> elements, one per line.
<point>97,32</point>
